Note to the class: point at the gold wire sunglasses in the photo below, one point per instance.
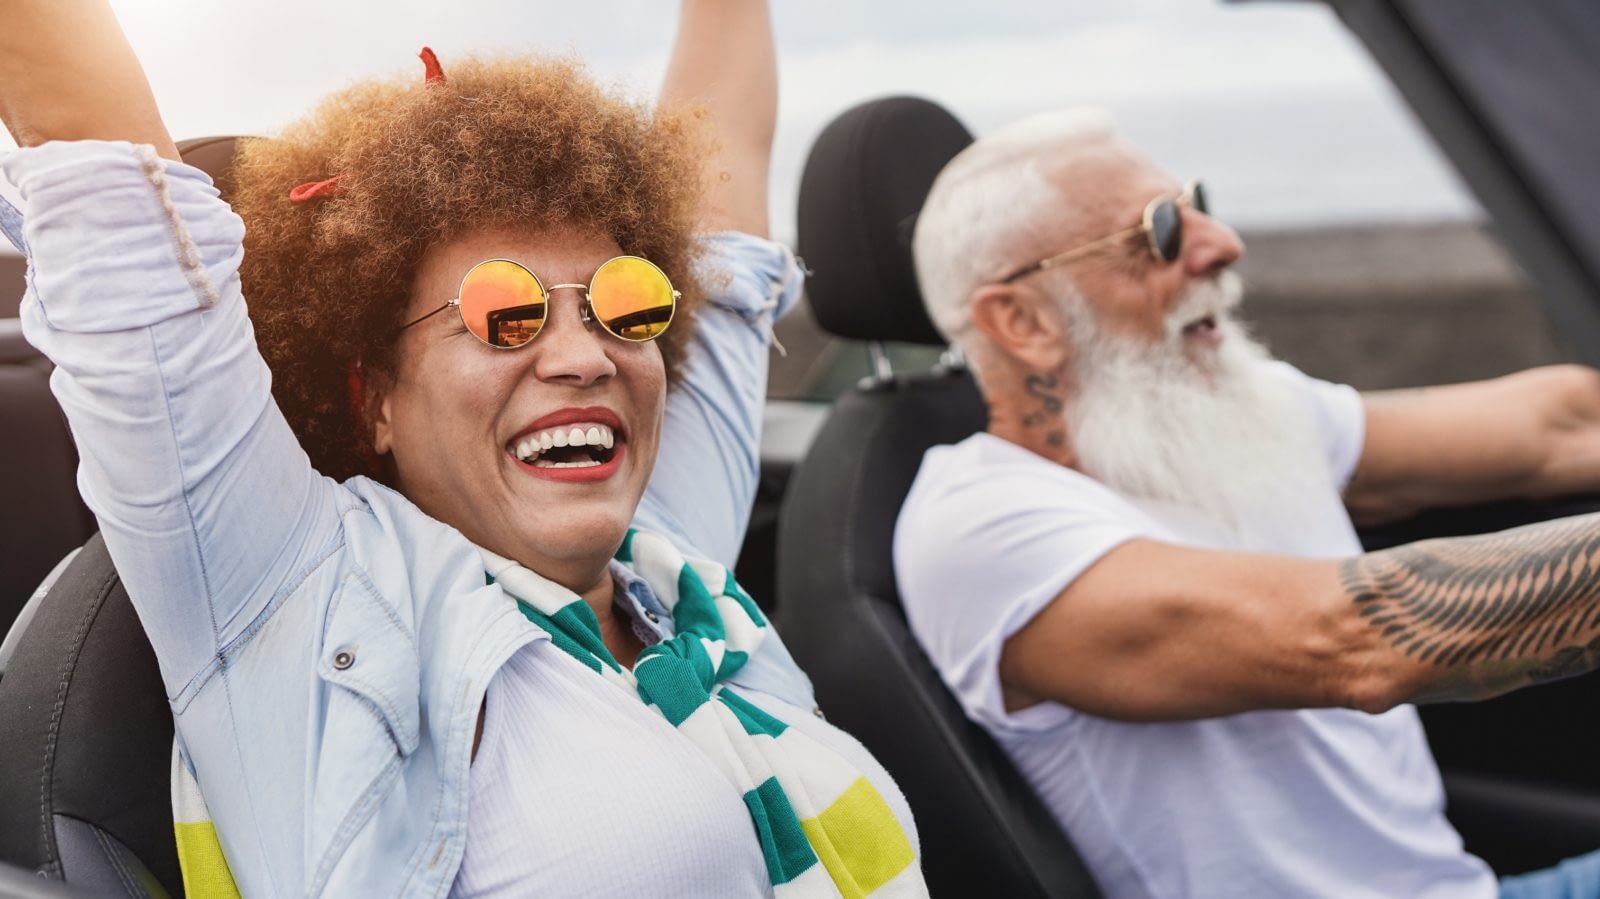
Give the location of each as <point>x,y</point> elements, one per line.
<point>1162,226</point>
<point>503,303</point>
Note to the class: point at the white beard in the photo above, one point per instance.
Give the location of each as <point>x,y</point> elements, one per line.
<point>1205,428</point>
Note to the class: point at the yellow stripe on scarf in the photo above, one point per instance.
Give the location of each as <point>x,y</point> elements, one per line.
<point>205,871</point>
<point>859,840</point>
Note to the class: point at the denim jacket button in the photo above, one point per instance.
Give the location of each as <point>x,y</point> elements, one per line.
<point>343,659</point>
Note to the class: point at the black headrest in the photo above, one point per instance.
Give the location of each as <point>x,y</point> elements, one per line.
<point>864,182</point>
<point>214,156</point>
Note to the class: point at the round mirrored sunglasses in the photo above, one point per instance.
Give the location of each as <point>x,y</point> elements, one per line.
<point>504,304</point>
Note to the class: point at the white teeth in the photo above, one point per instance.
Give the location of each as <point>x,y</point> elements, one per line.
<point>586,434</point>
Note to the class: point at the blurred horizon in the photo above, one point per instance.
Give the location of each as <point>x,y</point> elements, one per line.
<point>1275,105</point>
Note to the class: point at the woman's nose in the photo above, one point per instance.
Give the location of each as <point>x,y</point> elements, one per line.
<point>569,349</point>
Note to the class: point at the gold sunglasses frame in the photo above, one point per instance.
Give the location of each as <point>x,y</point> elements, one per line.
<point>1146,225</point>
<point>586,310</point>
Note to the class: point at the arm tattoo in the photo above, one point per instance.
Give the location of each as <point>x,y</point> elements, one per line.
<point>1494,612</point>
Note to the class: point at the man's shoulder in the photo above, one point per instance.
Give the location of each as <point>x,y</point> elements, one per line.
<point>1000,474</point>
<point>985,498</point>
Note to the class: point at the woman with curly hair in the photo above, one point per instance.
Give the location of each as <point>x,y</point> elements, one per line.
<point>432,545</point>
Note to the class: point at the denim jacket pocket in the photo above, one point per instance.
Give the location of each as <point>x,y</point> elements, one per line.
<point>368,651</point>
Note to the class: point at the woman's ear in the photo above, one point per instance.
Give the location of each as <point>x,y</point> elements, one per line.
<point>370,394</point>
<point>1023,324</point>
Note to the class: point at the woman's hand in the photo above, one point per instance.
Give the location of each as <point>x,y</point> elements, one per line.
<point>724,62</point>
<point>68,73</point>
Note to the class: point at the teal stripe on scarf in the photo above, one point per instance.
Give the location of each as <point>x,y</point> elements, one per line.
<point>783,843</point>
<point>696,612</point>
<point>672,675</point>
<point>732,588</point>
<point>576,631</point>
<point>750,715</point>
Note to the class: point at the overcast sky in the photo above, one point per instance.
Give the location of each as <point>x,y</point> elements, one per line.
<point>1274,104</point>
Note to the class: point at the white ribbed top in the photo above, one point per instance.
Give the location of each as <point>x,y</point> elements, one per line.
<point>580,789</point>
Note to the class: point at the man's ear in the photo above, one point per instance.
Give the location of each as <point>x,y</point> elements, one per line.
<point>1023,324</point>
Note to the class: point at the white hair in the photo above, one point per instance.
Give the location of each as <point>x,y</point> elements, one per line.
<point>992,196</point>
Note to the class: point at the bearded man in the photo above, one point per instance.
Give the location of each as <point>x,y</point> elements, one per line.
<point>1143,580</point>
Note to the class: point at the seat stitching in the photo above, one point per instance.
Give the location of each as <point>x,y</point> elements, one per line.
<point>58,708</point>
<point>115,858</point>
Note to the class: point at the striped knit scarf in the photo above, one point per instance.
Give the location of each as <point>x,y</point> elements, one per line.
<point>824,829</point>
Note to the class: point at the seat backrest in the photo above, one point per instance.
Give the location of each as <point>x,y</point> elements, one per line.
<point>85,730</point>
<point>983,829</point>
<point>13,277</point>
<point>43,518</point>
<point>85,750</point>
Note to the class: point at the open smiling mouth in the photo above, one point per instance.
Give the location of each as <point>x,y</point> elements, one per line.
<point>579,445</point>
<point>1201,327</point>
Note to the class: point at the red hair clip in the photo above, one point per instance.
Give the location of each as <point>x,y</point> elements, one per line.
<point>314,189</point>
<point>432,73</point>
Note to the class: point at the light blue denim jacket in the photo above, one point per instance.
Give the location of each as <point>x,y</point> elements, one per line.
<point>250,572</point>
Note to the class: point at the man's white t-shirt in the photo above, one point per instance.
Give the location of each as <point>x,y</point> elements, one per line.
<point>1324,802</point>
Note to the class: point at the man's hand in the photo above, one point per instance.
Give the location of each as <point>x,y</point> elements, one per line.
<point>1529,435</point>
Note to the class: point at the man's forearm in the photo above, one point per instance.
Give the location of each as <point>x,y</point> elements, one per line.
<point>1477,616</point>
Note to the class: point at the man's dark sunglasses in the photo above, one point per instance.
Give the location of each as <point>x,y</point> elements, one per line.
<point>1162,227</point>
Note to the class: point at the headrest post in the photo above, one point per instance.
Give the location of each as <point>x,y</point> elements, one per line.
<point>952,359</point>
<point>882,370</point>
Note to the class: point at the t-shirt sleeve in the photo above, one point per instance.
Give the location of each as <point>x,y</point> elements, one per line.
<point>1338,417</point>
<point>977,556</point>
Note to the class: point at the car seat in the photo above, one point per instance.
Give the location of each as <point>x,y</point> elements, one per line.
<point>86,743</point>
<point>983,830</point>
<point>43,516</point>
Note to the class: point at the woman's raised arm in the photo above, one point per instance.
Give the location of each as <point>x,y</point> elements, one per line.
<point>68,73</point>
<point>206,500</point>
<point>724,62</point>
<point>705,479</point>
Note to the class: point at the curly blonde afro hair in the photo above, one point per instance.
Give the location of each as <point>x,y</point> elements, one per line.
<point>501,143</point>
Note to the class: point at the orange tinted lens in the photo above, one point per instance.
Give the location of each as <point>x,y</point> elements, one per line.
<point>632,298</point>
<point>502,303</point>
